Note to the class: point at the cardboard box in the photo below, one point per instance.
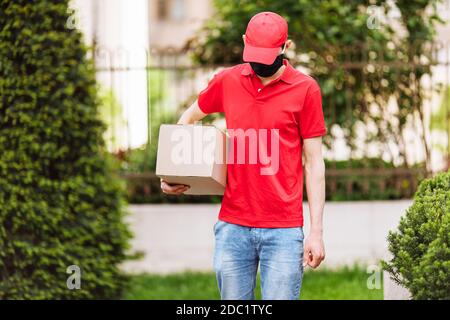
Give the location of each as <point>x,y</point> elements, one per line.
<point>194,155</point>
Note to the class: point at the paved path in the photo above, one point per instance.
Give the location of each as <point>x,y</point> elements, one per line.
<point>179,237</point>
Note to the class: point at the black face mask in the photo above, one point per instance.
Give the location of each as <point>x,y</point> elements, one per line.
<point>267,70</point>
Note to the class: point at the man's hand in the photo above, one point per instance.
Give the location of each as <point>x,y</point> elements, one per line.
<point>314,252</point>
<point>175,189</point>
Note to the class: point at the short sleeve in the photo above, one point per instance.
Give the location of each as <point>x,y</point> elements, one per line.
<point>311,120</point>
<point>210,99</point>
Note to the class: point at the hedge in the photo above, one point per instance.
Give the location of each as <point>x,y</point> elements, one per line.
<point>421,245</point>
<point>60,205</point>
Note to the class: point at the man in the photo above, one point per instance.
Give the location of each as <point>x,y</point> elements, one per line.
<point>261,220</point>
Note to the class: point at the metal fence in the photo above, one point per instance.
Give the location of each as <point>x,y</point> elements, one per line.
<point>143,88</point>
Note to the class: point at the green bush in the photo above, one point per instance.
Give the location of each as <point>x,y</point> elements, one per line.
<point>59,203</point>
<point>421,245</point>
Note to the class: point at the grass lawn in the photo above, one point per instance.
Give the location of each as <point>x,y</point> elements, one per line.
<point>345,283</point>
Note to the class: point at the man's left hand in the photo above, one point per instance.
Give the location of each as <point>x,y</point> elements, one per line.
<point>314,251</point>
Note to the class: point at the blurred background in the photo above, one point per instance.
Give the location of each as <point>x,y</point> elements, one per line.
<point>383,67</point>
<point>383,71</point>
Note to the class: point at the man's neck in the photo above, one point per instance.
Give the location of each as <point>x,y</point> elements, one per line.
<point>276,75</point>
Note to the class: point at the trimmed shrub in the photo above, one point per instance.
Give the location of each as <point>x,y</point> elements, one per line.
<point>421,245</point>
<point>59,204</point>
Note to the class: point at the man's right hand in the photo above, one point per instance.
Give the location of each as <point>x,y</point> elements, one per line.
<point>175,189</point>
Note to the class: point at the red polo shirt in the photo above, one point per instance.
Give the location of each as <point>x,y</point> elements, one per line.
<point>267,125</point>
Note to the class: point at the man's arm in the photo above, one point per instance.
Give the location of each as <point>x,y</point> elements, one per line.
<point>189,116</point>
<point>192,114</point>
<point>314,251</point>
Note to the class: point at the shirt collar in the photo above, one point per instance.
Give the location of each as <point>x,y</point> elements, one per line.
<point>287,76</point>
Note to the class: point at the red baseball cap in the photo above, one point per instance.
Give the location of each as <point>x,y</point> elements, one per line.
<point>266,32</point>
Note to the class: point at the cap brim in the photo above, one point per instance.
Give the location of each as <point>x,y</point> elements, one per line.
<point>259,54</point>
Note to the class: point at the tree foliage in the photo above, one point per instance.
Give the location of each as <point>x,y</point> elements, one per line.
<point>59,203</point>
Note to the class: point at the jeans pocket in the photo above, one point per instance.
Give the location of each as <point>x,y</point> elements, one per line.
<point>301,234</point>
<point>217,225</point>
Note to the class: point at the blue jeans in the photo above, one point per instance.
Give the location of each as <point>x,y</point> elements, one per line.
<point>239,249</point>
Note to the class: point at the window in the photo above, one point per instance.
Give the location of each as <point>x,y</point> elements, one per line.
<point>162,9</point>
<point>170,10</point>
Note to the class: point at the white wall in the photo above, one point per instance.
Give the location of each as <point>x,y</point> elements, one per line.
<point>175,238</point>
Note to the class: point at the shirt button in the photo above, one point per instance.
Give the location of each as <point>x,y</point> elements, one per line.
<point>259,89</point>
